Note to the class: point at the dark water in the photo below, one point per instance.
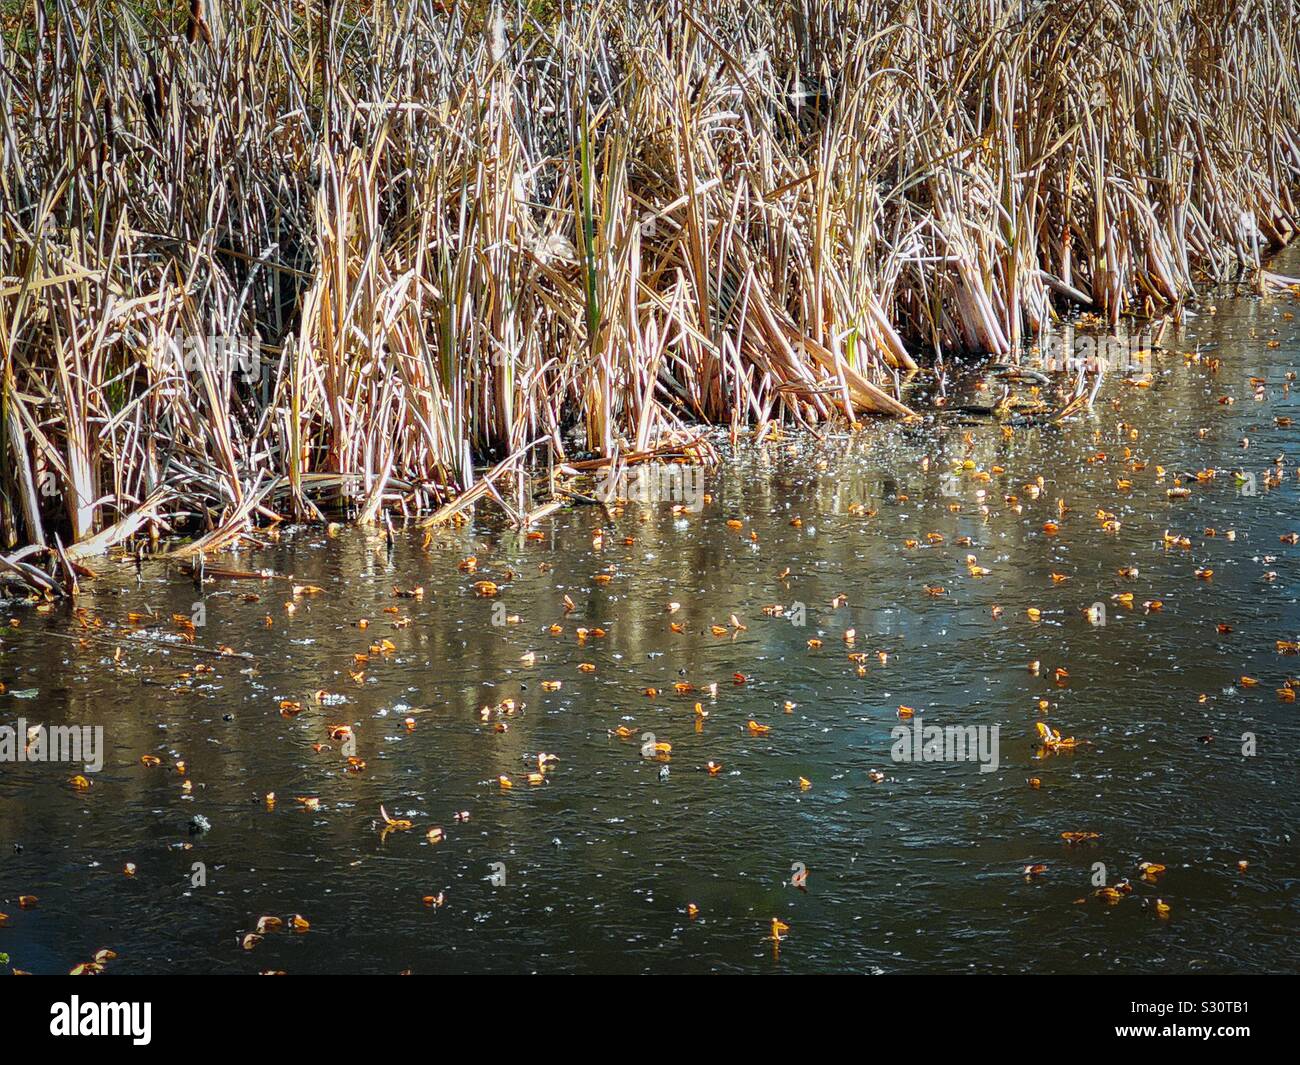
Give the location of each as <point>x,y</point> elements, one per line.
<point>920,872</point>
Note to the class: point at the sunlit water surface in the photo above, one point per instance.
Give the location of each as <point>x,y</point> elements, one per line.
<point>923,871</point>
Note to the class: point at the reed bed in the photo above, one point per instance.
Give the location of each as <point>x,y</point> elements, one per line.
<point>266,258</point>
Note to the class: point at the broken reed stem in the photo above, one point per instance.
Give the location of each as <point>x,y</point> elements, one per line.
<point>357,248</point>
